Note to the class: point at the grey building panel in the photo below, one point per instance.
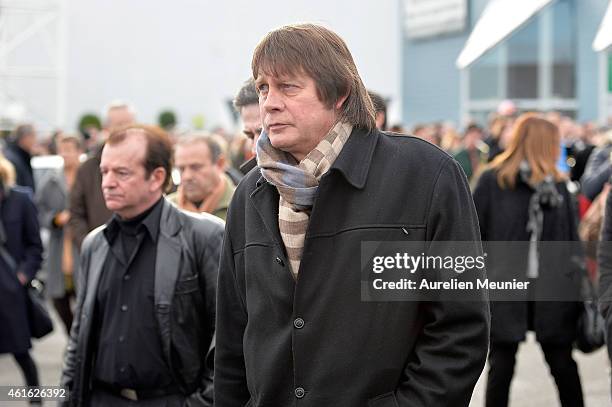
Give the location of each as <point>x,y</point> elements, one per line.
<point>588,16</point>
<point>430,80</point>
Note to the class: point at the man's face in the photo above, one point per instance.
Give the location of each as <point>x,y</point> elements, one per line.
<point>69,152</point>
<point>28,142</point>
<point>119,116</point>
<point>126,189</point>
<point>292,114</point>
<point>251,122</point>
<point>199,175</point>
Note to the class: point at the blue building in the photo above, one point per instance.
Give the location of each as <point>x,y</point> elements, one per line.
<point>545,62</point>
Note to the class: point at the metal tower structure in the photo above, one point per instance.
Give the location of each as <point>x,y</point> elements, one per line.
<point>33,55</point>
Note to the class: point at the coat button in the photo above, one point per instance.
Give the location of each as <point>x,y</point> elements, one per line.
<point>300,392</point>
<point>298,323</point>
<point>124,308</point>
<point>280,261</point>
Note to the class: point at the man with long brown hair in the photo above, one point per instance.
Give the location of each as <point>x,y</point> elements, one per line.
<point>291,324</point>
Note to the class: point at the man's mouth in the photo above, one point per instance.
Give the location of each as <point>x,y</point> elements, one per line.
<point>277,126</point>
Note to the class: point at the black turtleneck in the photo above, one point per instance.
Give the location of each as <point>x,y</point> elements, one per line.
<point>129,352</point>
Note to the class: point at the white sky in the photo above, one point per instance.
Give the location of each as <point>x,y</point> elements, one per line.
<point>192,55</point>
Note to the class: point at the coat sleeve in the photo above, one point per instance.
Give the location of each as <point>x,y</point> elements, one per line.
<point>230,373</point>
<point>597,172</point>
<point>69,368</point>
<point>482,202</point>
<point>605,264</point>
<point>209,260</point>
<point>451,349</point>
<point>49,201</point>
<point>78,210</point>
<point>32,260</point>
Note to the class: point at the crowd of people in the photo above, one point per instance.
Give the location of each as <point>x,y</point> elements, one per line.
<point>187,266</point>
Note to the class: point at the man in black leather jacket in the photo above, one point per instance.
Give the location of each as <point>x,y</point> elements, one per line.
<point>144,322</point>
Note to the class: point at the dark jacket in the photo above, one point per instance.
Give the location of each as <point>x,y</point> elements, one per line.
<point>605,271</point>
<point>87,207</point>
<point>503,216</point>
<point>597,171</point>
<point>23,168</point>
<point>188,252</point>
<point>19,217</point>
<point>314,342</point>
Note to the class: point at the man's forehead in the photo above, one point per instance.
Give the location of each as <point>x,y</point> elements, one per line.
<point>280,73</point>
<point>133,147</point>
<point>196,149</point>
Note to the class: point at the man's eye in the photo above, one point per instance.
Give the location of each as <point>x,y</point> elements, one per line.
<point>263,88</point>
<point>248,134</point>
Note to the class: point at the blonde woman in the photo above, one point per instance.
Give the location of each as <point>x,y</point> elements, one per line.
<point>20,258</point>
<point>522,197</point>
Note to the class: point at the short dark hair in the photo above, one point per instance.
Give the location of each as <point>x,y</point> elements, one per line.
<point>380,105</point>
<point>247,95</point>
<point>159,148</point>
<point>323,55</point>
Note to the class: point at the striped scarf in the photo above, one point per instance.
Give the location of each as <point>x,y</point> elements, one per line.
<point>297,184</point>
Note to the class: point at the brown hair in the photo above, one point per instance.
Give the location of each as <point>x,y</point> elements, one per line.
<point>77,141</point>
<point>534,140</point>
<point>158,152</point>
<point>321,54</point>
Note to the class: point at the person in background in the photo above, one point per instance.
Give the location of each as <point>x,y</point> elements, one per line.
<point>380,109</point>
<point>598,167</point>
<point>473,153</point>
<point>20,258</point>
<point>604,261</point>
<point>205,187</point>
<point>522,196</point>
<point>144,321</point>
<point>87,209</point>
<point>19,151</point>
<point>52,199</point>
<point>246,104</point>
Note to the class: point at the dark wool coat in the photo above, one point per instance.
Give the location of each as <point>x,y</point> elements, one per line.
<point>315,342</point>
<point>605,271</point>
<point>20,221</point>
<point>503,216</point>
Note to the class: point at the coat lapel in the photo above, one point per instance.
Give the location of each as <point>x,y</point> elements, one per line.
<point>167,267</point>
<point>265,199</point>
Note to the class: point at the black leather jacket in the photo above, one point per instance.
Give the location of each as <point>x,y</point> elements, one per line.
<point>188,253</point>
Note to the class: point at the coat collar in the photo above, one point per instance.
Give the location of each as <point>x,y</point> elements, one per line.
<point>356,156</point>
<point>354,159</point>
<point>353,163</point>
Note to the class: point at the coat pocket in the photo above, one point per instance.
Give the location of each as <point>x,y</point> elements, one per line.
<point>187,285</point>
<point>384,400</point>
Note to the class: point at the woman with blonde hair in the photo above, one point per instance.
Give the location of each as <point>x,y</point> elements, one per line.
<point>20,259</point>
<point>522,196</point>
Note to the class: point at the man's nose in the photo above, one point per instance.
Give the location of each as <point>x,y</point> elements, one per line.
<point>108,180</point>
<point>273,100</point>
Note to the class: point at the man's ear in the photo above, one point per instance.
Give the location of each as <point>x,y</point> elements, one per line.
<point>221,161</point>
<point>341,101</point>
<point>158,176</point>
